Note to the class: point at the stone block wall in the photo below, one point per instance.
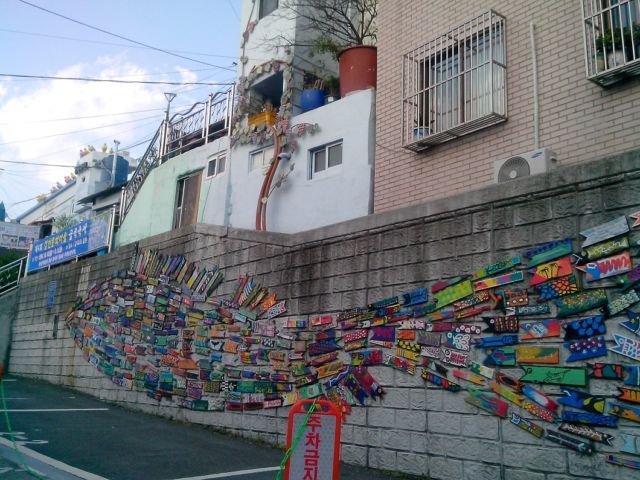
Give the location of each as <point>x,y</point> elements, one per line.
<point>416,428</point>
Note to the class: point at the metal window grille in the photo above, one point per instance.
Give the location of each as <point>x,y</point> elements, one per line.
<point>611,40</point>
<point>456,83</point>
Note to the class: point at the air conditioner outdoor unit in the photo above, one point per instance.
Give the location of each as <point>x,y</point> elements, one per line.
<point>524,165</point>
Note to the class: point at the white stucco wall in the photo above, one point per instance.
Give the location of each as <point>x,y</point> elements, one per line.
<point>341,193</point>
<point>56,205</point>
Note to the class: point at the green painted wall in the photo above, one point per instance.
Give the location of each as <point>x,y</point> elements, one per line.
<point>152,210</point>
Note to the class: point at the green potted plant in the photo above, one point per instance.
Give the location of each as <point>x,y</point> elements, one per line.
<point>312,92</point>
<point>332,88</point>
<point>617,46</point>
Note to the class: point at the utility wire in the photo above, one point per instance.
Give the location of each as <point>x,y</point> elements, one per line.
<point>65,119</point>
<point>233,9</point>
<point>121,37</point>
<point>75,131</point>
<point>18,162</point>
<point>84,40</point>
<point>107,80</point>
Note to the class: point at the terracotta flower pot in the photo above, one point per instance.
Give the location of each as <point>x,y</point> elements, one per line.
<point>358,68</point>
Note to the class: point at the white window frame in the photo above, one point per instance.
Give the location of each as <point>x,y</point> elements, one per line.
<point>327,170</point>
<point>267,156</point>
<point>216,158</point>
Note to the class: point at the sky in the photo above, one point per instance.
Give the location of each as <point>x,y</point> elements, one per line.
<point>49,121</point>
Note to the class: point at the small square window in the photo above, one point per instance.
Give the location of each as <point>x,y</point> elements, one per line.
<point>260,159</point>
<point>266,7</point>
<point>326,157</point>
<point>216,165</point>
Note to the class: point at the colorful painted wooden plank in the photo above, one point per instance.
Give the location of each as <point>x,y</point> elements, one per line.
<point>631,443</point>
<point>632,373</point>
<point>515,297</point>
<point>506,393</point>
<point>439,316</point>
<point>495,268</point>
<point>428,339</point>
<point>491,342</point>
<point>454,357</point>
<point>621,303</point>
<point>472,312</point>
<point>636,219</point>
<point>354,335</point>
<point>606,371</point>
<point>626,346</point>
<point>633,322</point>
<point>410,346</point>
<point>459,341</point>
<point>587,432</point>
<point>624,411</point>
<point>442,284</point>
<point>387,302</point>
<point>542,329</point>
<point>623,461</point>
<point>481,370</point>
<point>415,297</point>
<point>584,327</point>
<point>412,325</point>
<point>555,375</point>
<point>401,364</point>
<point>548,251</point>
<point>557,288</point>
<point>580,302</point>
<point>501,324</point>
<point>604,249</point>
<point>440,327</point>
<point>500,357</point>
<point>629,395</point>
<point>629,279</point>
<point>527,425</point>
<point>583,400</point>
<point>551,270</point>
<point>453,293</point>
<point>430,352</point>
<point>537,354</point>
<point>475,299</point>
<point>605,231</point>
<point>366,357</point>
<point>580,446</point>
<point>468,328</point>
<point>498,281</point>
<point>587,418</point>
<point>541,398</point>
<point>512,383</point>
<point>606,267</point>
<point>487,402</point>
<point>469,376</point>
<point>540,309</point>
<point>586,348</point>
<point>440,381</point>
<point>383,334</point>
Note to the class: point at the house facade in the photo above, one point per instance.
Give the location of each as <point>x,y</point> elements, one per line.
<point>462,90</point>
<point>260,156</point>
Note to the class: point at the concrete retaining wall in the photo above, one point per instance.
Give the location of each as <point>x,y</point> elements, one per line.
<point>416,428</point>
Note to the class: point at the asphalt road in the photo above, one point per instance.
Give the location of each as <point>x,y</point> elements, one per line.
<point>106,441</point>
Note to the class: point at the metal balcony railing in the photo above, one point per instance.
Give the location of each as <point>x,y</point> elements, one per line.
<point>11,274</point>
<point>456,83</point>
<point>611,40</point>
<point>201,124</point>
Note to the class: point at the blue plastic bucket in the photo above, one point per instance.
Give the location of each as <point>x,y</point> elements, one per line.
<point>311,98</point>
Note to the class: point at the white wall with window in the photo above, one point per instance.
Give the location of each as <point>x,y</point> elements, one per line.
<point>332,171</point>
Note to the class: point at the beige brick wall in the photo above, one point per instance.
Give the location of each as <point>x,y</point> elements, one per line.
<point>579,120</point>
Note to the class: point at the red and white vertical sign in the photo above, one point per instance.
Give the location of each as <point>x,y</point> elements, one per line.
<point>317,454</point>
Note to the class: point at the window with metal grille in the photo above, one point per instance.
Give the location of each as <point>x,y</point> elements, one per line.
<point>456,83</point>
<point>612,40</point>
<point>325,157</point>
<point>266,7</point>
